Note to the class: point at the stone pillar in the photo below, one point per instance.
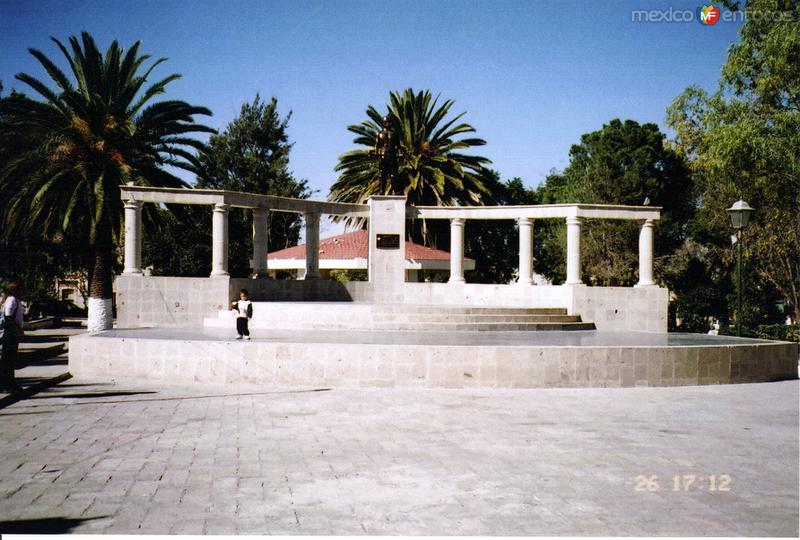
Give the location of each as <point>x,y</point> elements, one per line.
<point>312,245</point>
<point>219,240</point>
<point>525,251</point>
<point>133,238</point>
<point>457,250</point>
<point>387,262</point>
<point>574,251</point>
<point>646,254</point>
<point>260,242</point>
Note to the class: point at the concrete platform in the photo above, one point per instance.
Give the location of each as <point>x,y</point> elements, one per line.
<point>430,359</point>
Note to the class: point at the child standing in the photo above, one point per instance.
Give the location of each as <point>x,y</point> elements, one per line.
<point>244,312</point>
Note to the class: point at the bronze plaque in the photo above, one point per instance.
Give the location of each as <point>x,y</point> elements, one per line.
<point>388,241</point>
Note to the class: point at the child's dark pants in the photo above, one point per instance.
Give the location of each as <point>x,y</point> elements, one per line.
<point>241,326</point>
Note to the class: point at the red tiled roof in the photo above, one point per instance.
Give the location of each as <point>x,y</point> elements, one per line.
<point>353,245</point>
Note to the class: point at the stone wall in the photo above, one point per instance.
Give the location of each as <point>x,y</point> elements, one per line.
<point>622,308</point>
<point>314,365</point>
<point>168,301</point>
<point>171,301</point>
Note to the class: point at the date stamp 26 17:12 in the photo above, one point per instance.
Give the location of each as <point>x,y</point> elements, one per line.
<point>685,482</point>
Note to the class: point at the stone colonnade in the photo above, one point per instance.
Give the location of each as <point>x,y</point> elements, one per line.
<point>574,216</point>
<point>221,203</point>
<point>262,205</point>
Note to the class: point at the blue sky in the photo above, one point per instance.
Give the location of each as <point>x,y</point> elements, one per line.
<point>533,76</point>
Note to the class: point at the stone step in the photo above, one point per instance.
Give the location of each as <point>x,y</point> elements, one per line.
<point>418,318</point>
<point>400,317</point>
<point>488,327</point>
<point>350,308</point>
<point>476,318</point>
<point>419,308</point>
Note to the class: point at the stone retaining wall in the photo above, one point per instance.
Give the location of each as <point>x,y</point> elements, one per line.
<point>354,365</point>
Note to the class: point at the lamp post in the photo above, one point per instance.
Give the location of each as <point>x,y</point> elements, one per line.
<point>740,213</point>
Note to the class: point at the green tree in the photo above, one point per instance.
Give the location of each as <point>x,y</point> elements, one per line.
<point>742,142</point>
<point>252,155</point>
<point>623,163</point>
<point>88,136</point>
<point>430,167</point>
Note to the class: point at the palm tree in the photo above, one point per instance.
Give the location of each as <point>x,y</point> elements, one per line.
<point>86,138</point>
<point>427,166</point>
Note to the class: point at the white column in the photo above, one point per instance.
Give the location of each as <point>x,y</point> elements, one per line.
<point>457,250</point>
<point>574,250</point>
<point>646,254</point>
<point>312,245</point>
<point>219,240</point>
<point>133,238</point>
<point>525,251</point>
<point>260,242</point>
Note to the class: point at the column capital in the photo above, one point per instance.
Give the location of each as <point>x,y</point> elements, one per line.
<point>574,220</point>
<point>458,222</point>
<point>221,207</point>
<point>525,220</point>
<point>133,204</point>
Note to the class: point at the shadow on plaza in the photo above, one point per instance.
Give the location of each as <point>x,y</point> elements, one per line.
<point>56,393</point>
<point>51,338</point>
<point>56,525</point>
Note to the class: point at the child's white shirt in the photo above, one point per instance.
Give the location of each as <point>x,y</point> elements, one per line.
<point>242,307</point>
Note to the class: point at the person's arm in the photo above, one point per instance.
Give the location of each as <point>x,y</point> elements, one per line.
<point>250,310</point>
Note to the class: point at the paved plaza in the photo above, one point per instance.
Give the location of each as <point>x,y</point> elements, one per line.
<point>102,456</point>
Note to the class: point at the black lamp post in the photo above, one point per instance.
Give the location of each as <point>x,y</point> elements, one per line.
<point>740,216</point>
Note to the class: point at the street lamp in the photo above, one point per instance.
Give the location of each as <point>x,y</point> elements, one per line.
<point>740,213</point>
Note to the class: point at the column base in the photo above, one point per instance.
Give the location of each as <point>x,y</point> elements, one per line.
<point>132,273</point>
<point>219,274</point>
<point>643,285</point>
<point>456,280</point>
<point>575,283</point>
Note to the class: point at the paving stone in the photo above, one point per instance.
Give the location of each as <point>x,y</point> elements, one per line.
<point>241,460</point>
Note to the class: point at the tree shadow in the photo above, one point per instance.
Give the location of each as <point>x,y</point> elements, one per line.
<point>61,360</point>
<point>52,338</point>
<point>118,393</point>
<point>57,525</point>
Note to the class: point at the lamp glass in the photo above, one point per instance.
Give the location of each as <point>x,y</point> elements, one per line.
<point>740,214</point>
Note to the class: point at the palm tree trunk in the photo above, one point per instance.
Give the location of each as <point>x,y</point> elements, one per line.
<point>100,289</point>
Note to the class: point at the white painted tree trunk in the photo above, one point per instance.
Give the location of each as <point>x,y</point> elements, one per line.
<point>100,315</point>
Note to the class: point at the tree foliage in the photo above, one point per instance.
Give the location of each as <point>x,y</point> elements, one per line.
<point>431,167</point>
<point>742,141</point>
<point>623,163</point>
<point>95,130</point>
<point>251,155</point>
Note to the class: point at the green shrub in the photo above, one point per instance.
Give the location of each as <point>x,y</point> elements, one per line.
<point>777,332</point>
